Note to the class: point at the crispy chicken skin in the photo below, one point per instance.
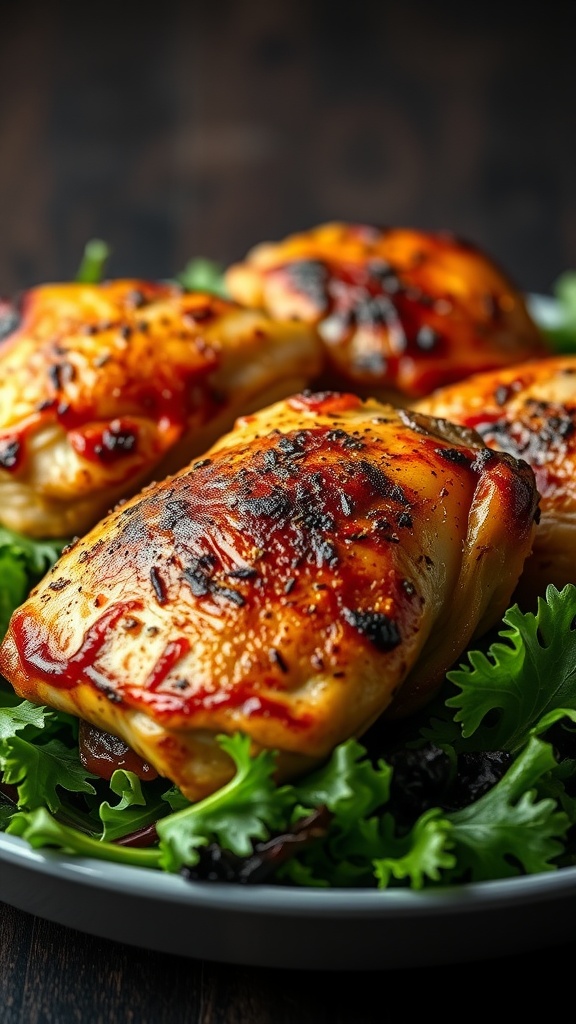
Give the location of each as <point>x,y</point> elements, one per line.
<point>103,386</point>
<point>530,412</point>
<point>400,312</point>
<point>323,564</point>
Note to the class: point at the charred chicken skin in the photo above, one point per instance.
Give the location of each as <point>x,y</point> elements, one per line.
<point>400,312</point>
<point>324,564</point>
<point>529,411</point>
<point>105,386</point>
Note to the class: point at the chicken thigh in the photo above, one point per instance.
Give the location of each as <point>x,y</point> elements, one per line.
<point>324,564</point>
<point>103,386</point>
<point>529,411</point>
<point>399,311</point>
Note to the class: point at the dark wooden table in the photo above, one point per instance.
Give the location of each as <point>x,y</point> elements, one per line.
<point>52,974</point>
<point>207,128</point>
<point>201,130</point>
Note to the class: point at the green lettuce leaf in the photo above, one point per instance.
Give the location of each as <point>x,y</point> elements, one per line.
<point>420,857</point>
<point>134,811</point>
<point>528,674</point>
<point>557,320</point>
<point>40,771</point>
<point>511,830</point>
<point>348,784</point>
<point>353,789</point>
<point>23,562</point>
<point>249,808</point>
<point>18,716</point>
<point>40,828</point>
<point>93,263</point>
<point>203,275</point>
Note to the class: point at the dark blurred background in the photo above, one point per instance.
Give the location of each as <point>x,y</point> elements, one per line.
<point>200,129</point>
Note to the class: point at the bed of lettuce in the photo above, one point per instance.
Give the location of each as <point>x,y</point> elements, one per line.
<point>480,786</point>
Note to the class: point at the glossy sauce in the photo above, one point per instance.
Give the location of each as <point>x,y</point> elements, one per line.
<point>34,646</point>
<point>103,754</point>
<point>74,342</point>
<point>408,311</point>
<point>297,527</point>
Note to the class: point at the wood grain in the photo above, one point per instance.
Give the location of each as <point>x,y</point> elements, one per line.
<point>55,975</point>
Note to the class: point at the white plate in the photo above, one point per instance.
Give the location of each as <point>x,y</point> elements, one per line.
<point>273,926</point>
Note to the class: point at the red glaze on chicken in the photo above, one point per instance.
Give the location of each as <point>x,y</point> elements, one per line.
<point>325,563</point>
<point>400,312</point>
<point>530,412</point>
<point>103,386</point>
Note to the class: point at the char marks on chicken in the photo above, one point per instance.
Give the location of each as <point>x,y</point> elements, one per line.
<point>322,565</point>
<point>399,312</point>
<point>104,387</point>
<point>529,411</point>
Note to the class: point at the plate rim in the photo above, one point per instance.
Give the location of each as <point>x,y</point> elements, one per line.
<point>275,898</point>
<point>276,926</point>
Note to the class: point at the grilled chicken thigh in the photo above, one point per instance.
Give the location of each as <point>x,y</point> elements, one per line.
<point>103,386</point>
<point>530,412</point>
<point>399,312</point>
<point>325,563</point>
